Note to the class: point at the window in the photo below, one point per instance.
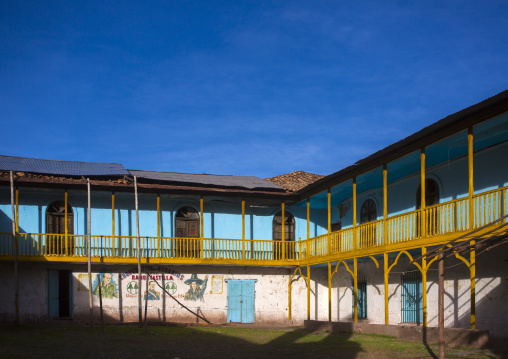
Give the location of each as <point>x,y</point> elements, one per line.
<point>368,213</point>
<point>187,223</point>
<point>432,215</point>
<point>186,230</point>
<point>289,235</point>
<point>55,226</point>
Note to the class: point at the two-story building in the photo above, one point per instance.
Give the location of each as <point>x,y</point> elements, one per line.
<point>243,249</point>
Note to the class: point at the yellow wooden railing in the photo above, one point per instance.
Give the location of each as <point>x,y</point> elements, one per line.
<point>441,219</point>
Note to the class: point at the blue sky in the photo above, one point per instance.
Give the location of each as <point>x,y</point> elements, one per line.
<point>239,87</point>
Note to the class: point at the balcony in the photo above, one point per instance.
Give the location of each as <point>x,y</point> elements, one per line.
<point>440,223</point>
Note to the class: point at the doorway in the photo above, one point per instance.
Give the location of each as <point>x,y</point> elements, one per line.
<point>59,293</point>
<point>241,294</point>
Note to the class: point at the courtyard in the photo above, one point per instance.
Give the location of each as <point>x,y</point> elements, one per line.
<point>171,341</point>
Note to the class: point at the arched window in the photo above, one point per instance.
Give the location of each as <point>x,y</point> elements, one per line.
<point>368,213</point>
<point>55,218</point>
<point>289,235</point>
<point>431,194</point>
<point>187,223</point>
<point>56,243</point>
<point>431,216</point>
<point>186,229</point>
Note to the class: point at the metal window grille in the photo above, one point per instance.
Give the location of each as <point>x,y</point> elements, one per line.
<point>412,306</point>
<point>362,297</point>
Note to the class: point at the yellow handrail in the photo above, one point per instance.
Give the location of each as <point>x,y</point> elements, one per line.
<point>440,219</point>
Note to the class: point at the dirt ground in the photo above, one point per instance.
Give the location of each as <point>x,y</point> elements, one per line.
<point>172,341</point>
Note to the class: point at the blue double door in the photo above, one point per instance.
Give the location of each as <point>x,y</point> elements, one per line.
<point>241,295</point>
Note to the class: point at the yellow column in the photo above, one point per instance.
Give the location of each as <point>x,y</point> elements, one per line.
<point>243,229</point>
<point>470,175</point>
<point>66,229</point>
<point>472,272</point>
<point>355,279</point>
<point>385,273</point>
<point>201,226</point>
<point>329,291</point>
<point>308,230</point>
<point>308,218</point>
<point>424,286</point>
<point>472,256</point>
<point>113,220</point>
<point>308,292</point>
<point>423,231</point>
<point>283,250</point>
<point>355,245</point>
<point>289,298</point>
<point>329,221</point>
<point>159,240</point>
<point>385,203</point>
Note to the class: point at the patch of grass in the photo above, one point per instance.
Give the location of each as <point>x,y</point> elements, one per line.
<point>208,342</point>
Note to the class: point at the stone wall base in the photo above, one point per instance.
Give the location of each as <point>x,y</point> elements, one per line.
<point>453,336</point>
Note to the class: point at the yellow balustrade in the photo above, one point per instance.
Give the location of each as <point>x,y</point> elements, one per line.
<point>439,220</point>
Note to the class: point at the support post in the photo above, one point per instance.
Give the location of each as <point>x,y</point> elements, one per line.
<point>17,210</point>
<point>308,228</point>
<point>355,244</point>
<point>329,291</point>
<point>329,195</point>
<point>201,226</point>
<point>355,279</point>
<point>243,229</point>
<point>424,286</point>
<point>441,306</point>
<point>159,241</point>
<point>113,220</point>
<point>385,274</point>
<point>138,247</point>
<point>289,297</point>
<point>100,302</point>
<point>308,292</point>
<point>15,240</point>
<point>89,245</point>
<point>385,204</point>
<point>472,273</point>
<point>65,225</point>
<point>470,176</point>
<point>423,231</point>
<point>283,250</point>
<point>472,260</point>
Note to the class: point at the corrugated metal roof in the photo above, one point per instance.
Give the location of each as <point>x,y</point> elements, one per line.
<point>249,182</point>
<point>62,168</point>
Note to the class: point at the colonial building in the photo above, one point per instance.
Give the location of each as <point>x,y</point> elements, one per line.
<point>243,249</point>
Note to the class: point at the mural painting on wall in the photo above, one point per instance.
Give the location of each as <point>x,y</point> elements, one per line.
<point>108,288</point>
<point>156,274</point>
<point>197,288</point>
<point>152,293</point>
